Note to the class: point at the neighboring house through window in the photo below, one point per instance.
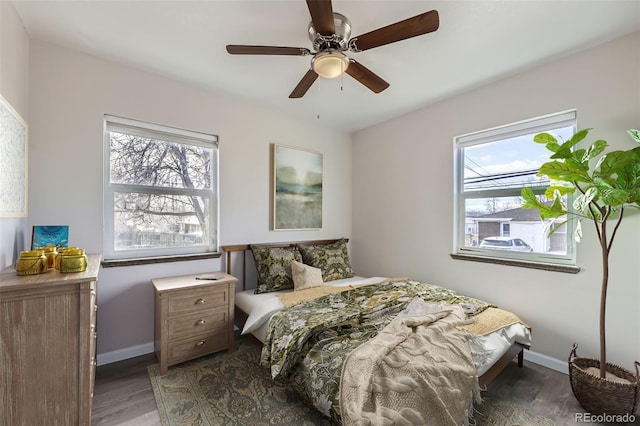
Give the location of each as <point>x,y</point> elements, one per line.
<point>160,190</point>
<point>491,168</point>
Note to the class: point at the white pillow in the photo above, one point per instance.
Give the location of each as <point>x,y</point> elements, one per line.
<point>305,276</point>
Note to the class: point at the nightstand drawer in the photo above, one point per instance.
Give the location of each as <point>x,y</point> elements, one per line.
<point>190,301</point>
<point>201,322</point>
<point>192,348</point>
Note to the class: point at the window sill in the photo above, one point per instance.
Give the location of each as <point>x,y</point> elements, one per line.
<point>110,263</point>
<point>519,263</point>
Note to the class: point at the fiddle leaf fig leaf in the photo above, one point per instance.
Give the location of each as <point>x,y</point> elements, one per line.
<point>578,136</point>
<point>582,201</point>
<point>545,138</point>
<point>559,190</point>
<point>599,163</point>
<point>578,234</point>
<point>594,150</point>
<point>578,157</point>
<point>550,141</point>
<point>601,183</point>
<point>554,210</point>
<point>564,151</point>
<point>530,199</point>
<point>615,197</point>
<point>614,162</point>
<point>565,171</point>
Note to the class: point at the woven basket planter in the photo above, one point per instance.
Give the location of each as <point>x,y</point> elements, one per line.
<point>603,396</point>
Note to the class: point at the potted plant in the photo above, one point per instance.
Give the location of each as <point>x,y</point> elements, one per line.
<point>603,188</point>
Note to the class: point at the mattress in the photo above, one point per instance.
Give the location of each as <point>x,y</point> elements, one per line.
<point>486,350</point>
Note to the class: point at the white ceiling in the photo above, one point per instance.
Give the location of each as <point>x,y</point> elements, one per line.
<point>477,42</point>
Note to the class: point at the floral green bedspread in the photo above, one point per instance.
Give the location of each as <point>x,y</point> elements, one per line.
<point>307,343</point>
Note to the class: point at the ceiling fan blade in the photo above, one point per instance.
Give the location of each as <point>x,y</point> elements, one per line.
<point>304,84</point>
<point>239,49</point>
<point>322,16</point>
<point>365,76</point>
<point>418,25</point>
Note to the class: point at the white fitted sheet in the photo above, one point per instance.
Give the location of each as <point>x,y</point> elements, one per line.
<point>486,350</point>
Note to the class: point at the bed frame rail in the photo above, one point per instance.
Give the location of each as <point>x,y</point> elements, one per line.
<point>516,350</point>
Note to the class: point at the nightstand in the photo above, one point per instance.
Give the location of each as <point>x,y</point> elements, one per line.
<point>193,317</point>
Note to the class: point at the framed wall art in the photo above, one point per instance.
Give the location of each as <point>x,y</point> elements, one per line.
<point>297,188</point>
<point>57,235</point>
<point>13,162</point>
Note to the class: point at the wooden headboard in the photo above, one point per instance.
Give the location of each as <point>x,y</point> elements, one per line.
<point>243,248</point>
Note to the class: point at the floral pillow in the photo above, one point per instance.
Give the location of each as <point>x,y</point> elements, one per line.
<point>332,259</point>
<point>274,267</point>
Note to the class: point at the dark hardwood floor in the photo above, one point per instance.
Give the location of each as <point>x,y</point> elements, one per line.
<point>123,394</point>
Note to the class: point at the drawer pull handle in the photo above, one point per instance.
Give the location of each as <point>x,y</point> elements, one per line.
<point>200,343</point>
<point>200,301</point>
<point>201,322</point>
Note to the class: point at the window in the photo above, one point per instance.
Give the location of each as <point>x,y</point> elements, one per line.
<point>160,190</point>
<point>491,168</point>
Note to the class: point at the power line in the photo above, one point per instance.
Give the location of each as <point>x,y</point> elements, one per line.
<point>499,176</point>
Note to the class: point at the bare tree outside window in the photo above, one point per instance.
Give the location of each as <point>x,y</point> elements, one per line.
<point>162,191</point>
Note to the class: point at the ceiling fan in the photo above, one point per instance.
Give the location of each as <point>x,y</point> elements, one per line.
<point>329,33</point>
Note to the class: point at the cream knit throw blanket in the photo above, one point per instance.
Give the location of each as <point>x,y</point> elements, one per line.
<point>418,371</point>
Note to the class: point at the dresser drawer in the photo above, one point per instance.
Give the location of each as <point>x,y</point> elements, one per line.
<point>190,301</point>
<point>201,345</point>
<point>202,322</point>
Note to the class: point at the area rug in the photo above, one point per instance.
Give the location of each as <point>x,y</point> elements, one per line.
<point>232,389</point>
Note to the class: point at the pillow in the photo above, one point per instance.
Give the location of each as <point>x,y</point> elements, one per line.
<point>332,259</point>
<point>274,267</point>
<point>262,307</point>
<point>305,276</point>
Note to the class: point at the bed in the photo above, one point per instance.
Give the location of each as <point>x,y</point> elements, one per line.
<point>324,339</point>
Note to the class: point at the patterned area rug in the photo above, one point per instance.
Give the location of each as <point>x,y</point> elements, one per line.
<point>232,389</point>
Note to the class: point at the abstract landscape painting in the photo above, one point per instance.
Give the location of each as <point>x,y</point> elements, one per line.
<point>297,188</point>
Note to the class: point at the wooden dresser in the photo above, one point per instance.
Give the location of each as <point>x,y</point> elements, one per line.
<point>47,346</point>
<point>193,317</point>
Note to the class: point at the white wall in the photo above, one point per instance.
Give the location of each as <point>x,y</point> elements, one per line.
<point>403,206</point>
<point>69,94</point>
<point>14,77</point>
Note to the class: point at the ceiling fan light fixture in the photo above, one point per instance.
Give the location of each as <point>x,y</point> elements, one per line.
<point>330,64</point>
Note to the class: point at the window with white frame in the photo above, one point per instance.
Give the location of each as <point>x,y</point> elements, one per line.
<point>160,190</point>
<point>491,167</point>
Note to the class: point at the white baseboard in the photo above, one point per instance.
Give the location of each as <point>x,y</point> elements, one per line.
<point>547,361</point>
<point>126,353</point>
<point>146,348</point>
